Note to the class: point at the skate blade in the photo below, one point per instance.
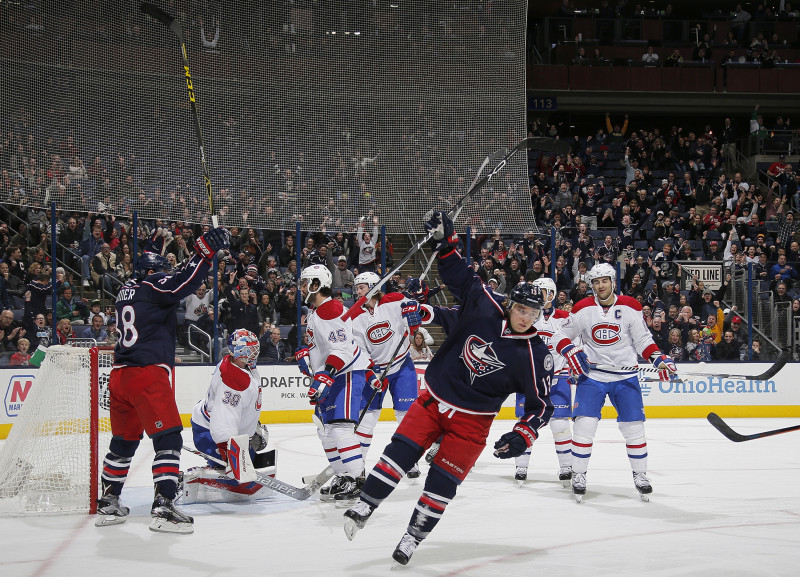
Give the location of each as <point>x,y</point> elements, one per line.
<point>350,528</point>
<point>644,497</point>
<point>346,503</point>
<point>164,526</point>
<point>520,482</point>
<point>106,520</point>
<point>566,483</point>
<point>578,498</point>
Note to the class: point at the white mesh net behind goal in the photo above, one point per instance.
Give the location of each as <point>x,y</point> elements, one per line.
<point>45,462</point>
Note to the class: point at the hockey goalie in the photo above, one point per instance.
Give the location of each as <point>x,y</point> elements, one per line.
<point>226,429</point>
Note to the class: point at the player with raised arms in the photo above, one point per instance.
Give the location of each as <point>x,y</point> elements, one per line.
<point>490,352</point>
<point>560,391</point>
<point>381,328</point>
<point>140,384</point>
<point>338,367</point>
<point>226,427</point>
<point>613,332</point>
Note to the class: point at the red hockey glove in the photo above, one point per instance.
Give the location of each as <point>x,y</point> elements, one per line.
<point>665,365</point>
<point>376,383</point>
<point>320,387</point>
<point>577,359</point>
<point>301,356</point>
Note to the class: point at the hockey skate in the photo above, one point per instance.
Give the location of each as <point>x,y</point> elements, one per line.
<point>521,474</point>
<point>431,454</point>
<point>355,518</point>
<point>578,485</point>
<point>414,473</point>
<point>110,511</point>
<point>169,519</point>
<point>351,490</point>
<point>329,492</point>
<point>405,549</point>
<point>565,475</point>
<point>643,485</point>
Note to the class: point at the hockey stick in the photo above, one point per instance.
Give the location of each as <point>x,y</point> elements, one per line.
<point>301,494</point>
<point>768,374</point>
<point>172,23</point>
<point>723,427</point>
<point>523,145</point>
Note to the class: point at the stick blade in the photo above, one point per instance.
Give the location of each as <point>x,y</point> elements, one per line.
<point>157,13</point>
<point>784,358</point>
<point>723,427</point>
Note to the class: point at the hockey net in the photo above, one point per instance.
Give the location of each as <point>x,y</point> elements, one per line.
<point>50,461</point>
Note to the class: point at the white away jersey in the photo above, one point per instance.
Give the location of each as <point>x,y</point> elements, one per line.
<point>611,337</point>
<point>546,326</point>
<point>233,402</point>
<point>381,330</point>
<point>331,340</point>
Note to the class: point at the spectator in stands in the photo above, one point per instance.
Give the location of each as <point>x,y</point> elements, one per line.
<point>674,59</point>
<point>104,272</point>
<point>273,349</point>
<point>419,350</point>
<point>124,268</point>
<point>96,330</point>
<point>739,23</point>
<point>616,134</point>
<point>21,356</point>
<point>88,249</point>
<point>674,346</point>
<point>40,333</point>
<point>196,306</point>
<point>243,313</point>
<point>659,331</point>
<point>715,323</point>
<point>366,246</point>
<point>287,308</point>
<point>343,277</point>
<point>783,271</point>
<point>266,308</point>
<point>71,308</point>
<point>727,349</point>
<point>287,252</point>
<point>111,329</point>
<point>650,56</point>
<point>780,292</point>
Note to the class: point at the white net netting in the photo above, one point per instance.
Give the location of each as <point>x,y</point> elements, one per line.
<point>314,111</point>
<point>44,463</point>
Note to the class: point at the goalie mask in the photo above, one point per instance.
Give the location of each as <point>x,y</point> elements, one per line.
<point>243,344</point>
<point>315,272</point>
<point>150,261</point>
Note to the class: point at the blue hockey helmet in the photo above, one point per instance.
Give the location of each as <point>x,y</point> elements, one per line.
<point>244,344</point>
<point>528,295</point>
<point>151,261</point>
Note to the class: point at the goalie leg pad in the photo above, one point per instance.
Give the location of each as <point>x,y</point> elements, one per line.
<point>240,465</point>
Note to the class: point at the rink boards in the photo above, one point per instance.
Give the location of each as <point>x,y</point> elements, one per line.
<point>284,398</point>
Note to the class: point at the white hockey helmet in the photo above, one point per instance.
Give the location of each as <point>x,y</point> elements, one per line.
<point>548,288</point>
<point>318,272</point>
<point>601,270</point>
<point>244,344</point>
<point>368,278</point>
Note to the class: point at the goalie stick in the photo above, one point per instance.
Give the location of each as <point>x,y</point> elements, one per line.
<point>768,374</point>
<point>172,23</point>
<point>509,153</point>
<point>723,427</point>
<point>301,494</point>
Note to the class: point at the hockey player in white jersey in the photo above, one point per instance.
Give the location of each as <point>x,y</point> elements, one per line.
<point>381,328</point>
<point>560,391</point>
<point>338,367</point>
<point>613,331</point>
<point>225,426</point>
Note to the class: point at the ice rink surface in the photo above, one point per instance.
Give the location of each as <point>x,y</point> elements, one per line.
<point>718,509</point>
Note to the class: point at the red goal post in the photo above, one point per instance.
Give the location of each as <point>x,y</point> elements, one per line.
<point>51,460</point>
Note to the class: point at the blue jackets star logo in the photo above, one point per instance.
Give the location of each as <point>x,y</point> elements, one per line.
<point>480,358</point>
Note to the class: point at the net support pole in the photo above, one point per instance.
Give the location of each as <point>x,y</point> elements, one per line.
<point>553,252</point>
<point>135,237</point>
<point>384,251</point>
<point>299,298</point>
<point>94,427</point>
<point>750,293</point>
<point>468,245</point>
<point>54,261</point>
<point>215,329</point>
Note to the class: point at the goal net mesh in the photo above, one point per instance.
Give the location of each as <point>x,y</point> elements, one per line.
<point>45,462</point>
<point>321,112</point>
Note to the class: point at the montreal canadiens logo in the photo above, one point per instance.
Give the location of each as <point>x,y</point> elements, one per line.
<point>545,335</point>
<point>480,358</point>
<point>605,334</point>
<point>380,332</point>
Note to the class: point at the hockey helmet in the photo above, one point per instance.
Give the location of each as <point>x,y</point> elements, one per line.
<point>244,344</point>
<point>368,278</point>
<point>318,272</point>
<point>151,261</point>
<point>601,270</point>
<point>548,288</point>
<point>528,295</point>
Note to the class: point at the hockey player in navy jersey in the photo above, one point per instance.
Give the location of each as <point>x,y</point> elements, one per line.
<point>491,351</point>
<point>613,332</point>
<point>142,398</point>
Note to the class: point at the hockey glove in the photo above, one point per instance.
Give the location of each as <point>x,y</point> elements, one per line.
<point>665,365</point>
<point>320,387</point>
<point>375,382</point>
<point>515,442</point>
<point>211,242</point>
<point>259,440</point>
<point>410,311</point>
<point>302,362</point>
<point>444,235</point>
<point>577,359</point>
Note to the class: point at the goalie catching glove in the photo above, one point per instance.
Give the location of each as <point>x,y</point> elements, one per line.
<point>441,226</point>
<point>516,441</point>
<point>665,365</point>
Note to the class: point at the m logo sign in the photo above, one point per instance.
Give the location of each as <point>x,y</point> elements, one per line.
<point>16,393</point>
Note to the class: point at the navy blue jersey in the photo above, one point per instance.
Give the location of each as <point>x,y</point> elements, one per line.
<point>481,361</point>
<point>146,315</point>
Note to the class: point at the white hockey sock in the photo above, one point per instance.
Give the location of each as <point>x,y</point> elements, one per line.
<point>635,444</point>
<point>349,447</point>
<point>523,459</point>
<point>331,452</point>
<point>583,432</point>
<point>365,430</point>
<point>563,441</point>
